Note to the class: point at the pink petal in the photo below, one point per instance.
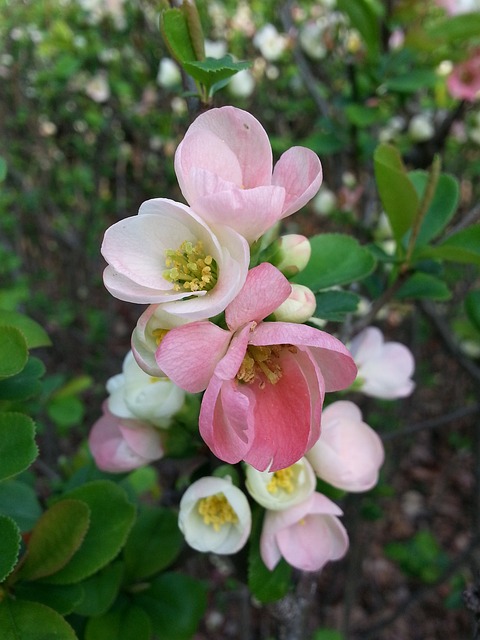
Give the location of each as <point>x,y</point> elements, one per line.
<point>224,420</point>
<point>335,362</point>
<point>229,365</point>
<point>264,291</point>
<point>300,173</point>
<point>366,345</point>
<point>189,354</point>
<point>143,439</point>
<point>340,410</point>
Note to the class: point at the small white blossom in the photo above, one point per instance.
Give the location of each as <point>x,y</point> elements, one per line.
<point>270,43</point>
<point>281,489</point>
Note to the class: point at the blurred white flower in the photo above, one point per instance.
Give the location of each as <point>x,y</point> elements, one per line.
<point>311,39</point>
<point>270,42</point>
<point>420,128</point>
<point>215,516</point>
<point>97,88</point>
<point>281,489</point>
<point>215,49</point>
<point>242,84</point>
<point>168,73</point>
<point>325,202</point>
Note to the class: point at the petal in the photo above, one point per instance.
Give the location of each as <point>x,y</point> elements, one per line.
<point>124,288</point>
<point>229,365</point>
<point>264,290</point>
<point>340,410</point>
<point>143,439</point>
<point>335,362</point>
<point>366,345</point>
<point>224,420</point>
<point>299,172</point>
<point>189,354</point>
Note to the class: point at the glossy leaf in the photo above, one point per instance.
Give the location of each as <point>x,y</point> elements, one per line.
<point>423,286</point>
<point>397,193</point>
<point>128,622</point>
<point>100,591</point>
<point>463,247</point>
<point>25,384</point>
<point>34,334</point>
<point>472,307</point>
<point>442,207</point>
<point>19,501</point>
<point>56,537</point>
<point>335,305</point>
<point>175,603</point>
<point>111,517</point>
<point>62,598</point>
<point>17,443</point>
<point>13,351</point>
<point>10,540</point>
<point>336,260</point>
<point>175,33</point>
<point>413,80</point>
<point>22,620</point>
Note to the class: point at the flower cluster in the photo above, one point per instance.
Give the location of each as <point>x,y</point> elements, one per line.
<point>224,320</point>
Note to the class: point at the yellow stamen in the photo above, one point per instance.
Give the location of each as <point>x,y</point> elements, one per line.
<point>189,269</point>
<point>284,479</point>
<point>159,335</point>
<point>217,511</point>
<point>259,362</point>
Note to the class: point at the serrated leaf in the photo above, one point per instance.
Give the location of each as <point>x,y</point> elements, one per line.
<point>154,542</point>
<point>175,603</point>
<point>423,286</point>
<point>13,351</point>
<point>34,334</point>
<point>335,305</point>
<point>10,540</point>
<point>19,501</point>
<point>60,598</point>
<point>397,193</point>
<point>336,260</point>
<point>111,517</point>
<point>56,537</point>
<point>128,622</point>
<point>17,443</point>
<point>442,207</point>
<point>472,307</point>
<point>174,30</point>
<point>212,70</point>
<point>22,620</point>
<point>100,591</point>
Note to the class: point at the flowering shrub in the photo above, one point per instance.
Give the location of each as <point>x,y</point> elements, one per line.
<point>320,216</point>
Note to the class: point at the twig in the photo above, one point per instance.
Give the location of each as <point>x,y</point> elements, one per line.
<point>472,216</point>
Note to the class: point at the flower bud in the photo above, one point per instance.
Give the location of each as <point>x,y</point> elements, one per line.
<point>281,489</point>
<point>292,255</point>
<point>298,307</point>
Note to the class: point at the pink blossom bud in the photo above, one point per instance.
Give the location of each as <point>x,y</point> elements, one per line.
<point>348,454</point>
<point>293,254</point>
<point>298,307</point>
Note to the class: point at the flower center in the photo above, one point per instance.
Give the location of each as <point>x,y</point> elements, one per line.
<point>159,334</point>
<point>189,269</point>
<point>284,479</point>
<point>261,361</point>
<point>217,511</point>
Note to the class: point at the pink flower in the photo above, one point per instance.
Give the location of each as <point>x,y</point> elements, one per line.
<point>384,368</point>
<point>119,444</point>
<point>307,535</point>
<point>265,381</point>
<point>464,81</point>
<point>455,7</point>
<point>167,254</point>
<point>224,168</point>
<point>349,453</point>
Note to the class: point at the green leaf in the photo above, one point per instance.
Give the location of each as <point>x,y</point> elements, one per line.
<point>423,286</point>
<point>55,538</point>
<point>327,634</point>
<point>265,585</point>
<point>62,598</point>
<point>335,305</point>
<point>212,70</point>
<point>100,591</point>
<point>472,307</point>
<point>364,16</point>
<point>175,33</point>
<point>111,517</point>
<point>361,115</point>
<point>19,501</point>
<point>455,28</point>
<point>17,443</point>
<point>25,384</point>
<point>442,207</point>
<point>397,193</point>
<point>336,260</point>
<point>13,351</point>
<point>34,334</point>
<point>65,411</point>
<point>128,622</point>
<point>153,544</point>
<point>175,603</point>
<point>10,540</point>
<point>463,246</point>
<point>21,620</point>
<point>412,81</point>
<point>3,169</point>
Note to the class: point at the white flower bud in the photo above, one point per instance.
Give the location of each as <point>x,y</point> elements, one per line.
<point>325,202</point>
<point>298,307</point>
<point>242,84</point>
<point>293,254</point>
<point>281,489</point>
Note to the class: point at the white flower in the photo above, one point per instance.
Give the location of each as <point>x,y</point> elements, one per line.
<point>271,43</point>
<point>242,84</point>
<point>311,39</point>
<point>420,128</point>
<point>97,88</point>
<point>281,489</point>
<point>325,202</point>
<point>215,49</point>
<point>168,73</point>
<point>215,516</point>
<point>136,395</point>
